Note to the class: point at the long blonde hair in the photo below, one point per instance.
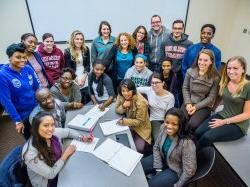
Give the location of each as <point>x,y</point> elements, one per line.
<point>72,47</point>
<point>225,79</point>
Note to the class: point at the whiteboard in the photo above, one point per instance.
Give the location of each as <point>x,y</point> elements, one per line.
<point>61,17</point>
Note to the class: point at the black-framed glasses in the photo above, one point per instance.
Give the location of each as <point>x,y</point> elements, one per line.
<point>156,83</point>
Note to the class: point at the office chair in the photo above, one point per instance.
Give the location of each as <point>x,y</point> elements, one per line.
<point>205,162</point>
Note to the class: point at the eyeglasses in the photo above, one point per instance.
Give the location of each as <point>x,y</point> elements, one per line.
<point>66,79</point>
<point>155,83</point>
<point>155,22</point>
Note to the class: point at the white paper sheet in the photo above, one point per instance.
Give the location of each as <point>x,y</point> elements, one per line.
<point>85,146</point>
<point>111,127</point>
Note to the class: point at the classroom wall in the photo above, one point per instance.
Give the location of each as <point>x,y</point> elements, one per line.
<point>229,17</point>
<point>14,21</point>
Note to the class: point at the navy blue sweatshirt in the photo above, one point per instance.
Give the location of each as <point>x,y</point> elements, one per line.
<point>17,93</point>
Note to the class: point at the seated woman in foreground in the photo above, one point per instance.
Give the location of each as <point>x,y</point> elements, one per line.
<point>233,121</point>
<point>43,153</point>
<point>174,154</point>
<point>134,106</point>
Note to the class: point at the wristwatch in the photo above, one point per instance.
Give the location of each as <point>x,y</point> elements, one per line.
<point>17,123</point>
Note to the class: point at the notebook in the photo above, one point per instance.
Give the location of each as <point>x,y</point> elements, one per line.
<point>111,127</point>
<point>85,146</point>
<point>87,121</point>
<point>83,122</point>
<point>118,156</point>
<point>96,112</point>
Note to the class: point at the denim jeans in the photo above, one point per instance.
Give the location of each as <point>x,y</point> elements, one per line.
<point>206,136</point>
<point>166,178</point>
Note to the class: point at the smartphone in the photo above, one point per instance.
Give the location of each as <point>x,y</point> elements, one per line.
<point>123,139</point>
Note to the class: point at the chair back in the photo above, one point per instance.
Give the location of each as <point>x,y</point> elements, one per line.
<point>205,162</point>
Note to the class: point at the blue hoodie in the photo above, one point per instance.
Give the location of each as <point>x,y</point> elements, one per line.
<point>17,93</point>
<point>192,52</point>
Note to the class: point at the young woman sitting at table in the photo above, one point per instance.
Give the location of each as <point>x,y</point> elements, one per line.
<point>135,108</point>
<point>43,153</point>
<point>174,154</point>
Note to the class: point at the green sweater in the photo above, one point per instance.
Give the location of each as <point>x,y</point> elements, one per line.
<point>234,106</point>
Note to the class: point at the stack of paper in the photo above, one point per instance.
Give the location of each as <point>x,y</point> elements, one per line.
<point>118,156</point>
<point>85,146</point>
<point>111,127</point>
<point>83,122</point>
<point>88,120</point>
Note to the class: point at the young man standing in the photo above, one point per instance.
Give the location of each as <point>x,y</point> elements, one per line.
<point>207,33</point>
<point>175,46</point>
<point>157,34</point>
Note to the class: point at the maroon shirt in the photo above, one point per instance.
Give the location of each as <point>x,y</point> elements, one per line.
<point>53,62</point>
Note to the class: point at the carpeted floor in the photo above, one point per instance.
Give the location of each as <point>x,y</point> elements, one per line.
<point>9,138</point>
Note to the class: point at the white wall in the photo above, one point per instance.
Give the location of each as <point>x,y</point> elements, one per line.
<point>229,17</point>
<point>239,43</point>
<point>14,21</point>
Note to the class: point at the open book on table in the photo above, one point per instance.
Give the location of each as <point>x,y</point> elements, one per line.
<point>118,156</point>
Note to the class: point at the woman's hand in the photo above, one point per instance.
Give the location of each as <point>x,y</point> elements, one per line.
<point>101,107</point>
<point>68,152</point>
<point>192,110</point>
<point>189,107</point>
<point>120,121</point>
<point>216,123</point>
<point>88,138</point>
<point>81,80</point>
<point>126,104</point>
<point>20,128</point>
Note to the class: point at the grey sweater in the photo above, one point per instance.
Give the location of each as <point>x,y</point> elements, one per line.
<point>155,40</point>
<point>199,90</point>
<point>139,78</point>
<point>74,96</point>
<point>38,171</point>
<point>181,157</point>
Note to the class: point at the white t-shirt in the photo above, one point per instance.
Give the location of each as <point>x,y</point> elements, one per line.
<point>158,105</point>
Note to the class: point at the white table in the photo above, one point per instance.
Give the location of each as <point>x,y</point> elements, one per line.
<point>85,170</point>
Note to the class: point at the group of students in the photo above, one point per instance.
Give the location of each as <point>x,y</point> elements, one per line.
<point>164,86</point>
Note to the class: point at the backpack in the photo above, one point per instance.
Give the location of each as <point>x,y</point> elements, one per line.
<point>13,171</point>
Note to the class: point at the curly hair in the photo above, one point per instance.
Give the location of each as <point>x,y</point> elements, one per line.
<point>44,151</point>
<point>131,41</point>
<point>136,31</point>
